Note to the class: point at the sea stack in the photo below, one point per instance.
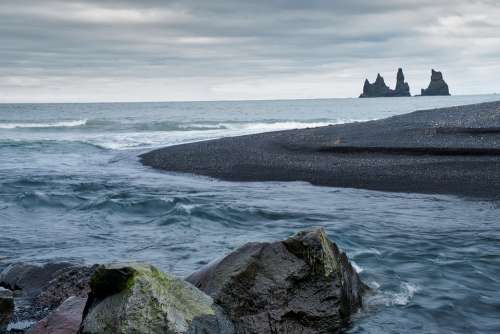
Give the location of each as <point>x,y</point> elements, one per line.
<point>402,87</point>
<point>437,86</point>
<point>380,89</point>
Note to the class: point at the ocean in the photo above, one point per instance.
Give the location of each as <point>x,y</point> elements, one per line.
<point>72,188</point>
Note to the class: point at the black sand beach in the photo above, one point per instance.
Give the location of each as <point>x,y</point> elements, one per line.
<point>451,151</point>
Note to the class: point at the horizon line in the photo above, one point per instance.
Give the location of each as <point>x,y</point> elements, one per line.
<point>231,100</point>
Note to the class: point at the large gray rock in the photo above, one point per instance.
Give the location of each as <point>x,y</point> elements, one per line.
<point>437,86</point>
<point>137,298</point>
<point>380,89</point>
<point>6,308</point>
<point>300,285</point>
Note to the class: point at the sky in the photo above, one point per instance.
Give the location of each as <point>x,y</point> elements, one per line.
<point>152,50</point>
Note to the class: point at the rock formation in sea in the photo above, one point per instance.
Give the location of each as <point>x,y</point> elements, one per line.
<point>303,284</point>
<point>402,87</point>
<point>380,89</point>
<point>300,285</point>
<point>437,86</point>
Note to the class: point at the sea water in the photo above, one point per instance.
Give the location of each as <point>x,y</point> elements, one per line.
<point>72,188</point>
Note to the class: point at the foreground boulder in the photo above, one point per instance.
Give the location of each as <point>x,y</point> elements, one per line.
<point>300,285</point>
<point>65,319</point>
<point>6,308</point>
<point>437,86</point>
<point>136,298</point>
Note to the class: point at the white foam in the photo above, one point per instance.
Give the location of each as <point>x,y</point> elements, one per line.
<point>44,125</point>
<point>356,267</point>
<point>262,126</point>
<point>366,251</point>
<point>154,139</point>
<point>401,298</point>
<point>407,292</point>
<point>273,126</point>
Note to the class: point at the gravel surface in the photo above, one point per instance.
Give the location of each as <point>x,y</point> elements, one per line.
<point>451,150</point>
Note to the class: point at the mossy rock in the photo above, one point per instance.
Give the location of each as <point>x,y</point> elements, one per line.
<point>138,298</point>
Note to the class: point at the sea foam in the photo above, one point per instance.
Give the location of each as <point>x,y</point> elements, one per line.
<point>63,124</point>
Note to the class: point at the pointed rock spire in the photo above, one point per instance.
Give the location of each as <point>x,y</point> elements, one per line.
<point>380,89</point>
<point>402,87</point>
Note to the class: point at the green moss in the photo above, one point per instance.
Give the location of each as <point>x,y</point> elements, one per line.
<point>145,300</point>
<point>180,295</point>
<point>330,260</point>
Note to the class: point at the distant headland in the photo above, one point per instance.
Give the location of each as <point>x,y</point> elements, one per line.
<point>437,86</point>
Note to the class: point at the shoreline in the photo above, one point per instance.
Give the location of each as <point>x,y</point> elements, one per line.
<point>453,150</point>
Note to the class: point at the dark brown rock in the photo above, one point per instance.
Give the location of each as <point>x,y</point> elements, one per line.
<point>41,289</point>
<point>301,285</point>
<point>72,281</point>
<point>66,319</point>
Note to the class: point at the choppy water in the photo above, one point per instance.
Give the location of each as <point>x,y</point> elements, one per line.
<point>71,187</point>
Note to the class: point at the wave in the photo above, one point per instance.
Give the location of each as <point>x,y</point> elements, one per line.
<point>356,267</point>
<point>62,145</point>
<point>168,126</point>
<point>62,124</point>
<point>124,136</point>
<point>401,298</point>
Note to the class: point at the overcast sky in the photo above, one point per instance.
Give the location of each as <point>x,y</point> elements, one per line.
<point>98,50</point>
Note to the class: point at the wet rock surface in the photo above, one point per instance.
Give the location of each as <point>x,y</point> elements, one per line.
<point>301,285</point>
<point>6,308</point>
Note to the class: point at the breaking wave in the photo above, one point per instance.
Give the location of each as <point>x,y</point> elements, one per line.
<point>62,124</point>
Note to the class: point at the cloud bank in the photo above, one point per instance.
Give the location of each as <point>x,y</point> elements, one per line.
<point>98,50</point>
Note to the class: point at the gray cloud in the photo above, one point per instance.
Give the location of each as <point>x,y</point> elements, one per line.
<point>222,49</point>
